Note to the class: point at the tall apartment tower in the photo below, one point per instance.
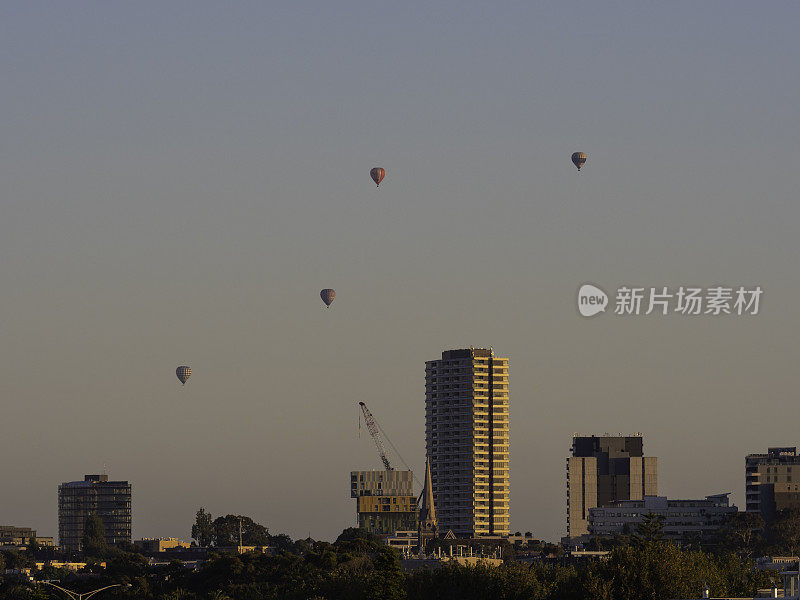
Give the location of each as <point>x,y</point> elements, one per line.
<point>95,495</point>
<point>606,469</point>
<point>466,439</point>
<point>771,482</point>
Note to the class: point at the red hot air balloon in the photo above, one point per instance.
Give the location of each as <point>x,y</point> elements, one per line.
<point>578,159</point>
<point>183,373</point>
<point>327,296</point>
<point>377,175</point>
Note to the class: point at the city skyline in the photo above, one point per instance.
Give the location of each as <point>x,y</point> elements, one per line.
<point>180,181</point>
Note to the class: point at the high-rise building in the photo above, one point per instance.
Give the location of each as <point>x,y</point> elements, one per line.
<point>385,500</point>
<point>771,483</point>
<point>603,470</point>
<point>467,442</point>
<point>95,495</point>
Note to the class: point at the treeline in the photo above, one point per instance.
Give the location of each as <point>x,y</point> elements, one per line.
<point>359,566</point>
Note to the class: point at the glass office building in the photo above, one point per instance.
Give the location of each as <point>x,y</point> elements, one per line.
<point>95,495</point>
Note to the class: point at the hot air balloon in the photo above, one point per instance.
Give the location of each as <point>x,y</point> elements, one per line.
<point>183,372</point>
<point>327,296</point>
<point>578,158</point>
<point>377,175</point>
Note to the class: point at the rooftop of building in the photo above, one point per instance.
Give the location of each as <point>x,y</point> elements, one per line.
<point>777,452</point>
<point>464,353</point>
<point>90,480</point>
<point>663,501</point>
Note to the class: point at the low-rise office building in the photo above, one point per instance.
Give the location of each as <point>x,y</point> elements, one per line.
<point>683,519</point>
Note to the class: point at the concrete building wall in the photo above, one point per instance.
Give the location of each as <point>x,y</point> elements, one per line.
<point>787,495</point>
<point>769,479</point>
<point>603,470</point>
<point>581,493</point>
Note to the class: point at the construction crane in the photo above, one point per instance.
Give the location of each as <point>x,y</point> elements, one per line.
<point>373,431</point>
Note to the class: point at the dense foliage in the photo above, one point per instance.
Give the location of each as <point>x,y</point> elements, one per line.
<point>359,567</point>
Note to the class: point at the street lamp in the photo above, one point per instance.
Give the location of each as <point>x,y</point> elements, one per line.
<point>85,595</point>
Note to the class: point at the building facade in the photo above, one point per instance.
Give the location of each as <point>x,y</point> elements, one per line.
<point>684,520</point>
<point>771,481</point>
<point>385,500</point>
<point>156,545</point>
<point>16,536</point>
<point>467,441</point>
<point>603,470</point>
<point>95,495</point>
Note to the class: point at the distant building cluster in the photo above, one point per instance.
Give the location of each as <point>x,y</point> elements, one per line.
<point>13,537</point>
<point>612,486</point>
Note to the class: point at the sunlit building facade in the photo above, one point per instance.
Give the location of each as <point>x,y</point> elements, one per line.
<point>467,441</point>
<point>385,500</point>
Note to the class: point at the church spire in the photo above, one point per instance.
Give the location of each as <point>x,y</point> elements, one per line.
<point>427,511</point>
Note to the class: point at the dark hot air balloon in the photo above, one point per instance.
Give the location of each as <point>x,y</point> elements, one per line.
<point>183,372</point>
<point>327,296</point>
<point>578,158</point>
<point>377,175</point>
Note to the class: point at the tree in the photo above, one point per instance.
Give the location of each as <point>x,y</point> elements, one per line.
<point>743,533</point>
<point>203,528</point>
<point>354,539</point>
<point>226,531</point>
<point>281,543</point>
<point>786,531</point>
<point>651,529</point>
<point>94,537</point>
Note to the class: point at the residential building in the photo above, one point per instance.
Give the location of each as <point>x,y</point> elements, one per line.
<point>771,481</point>
<point>606,469</point>
<point>95,495</point>
<point>684,520</point>
<point>385,500</point>
<point>467,441</point>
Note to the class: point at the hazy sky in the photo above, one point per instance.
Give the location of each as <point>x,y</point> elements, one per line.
<point>180,179</point>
